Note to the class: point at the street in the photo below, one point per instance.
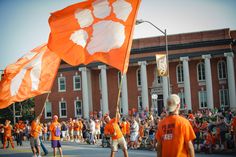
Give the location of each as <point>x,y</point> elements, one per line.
<point>80,150</point>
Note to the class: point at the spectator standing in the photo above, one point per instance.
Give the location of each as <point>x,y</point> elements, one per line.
<point>174,134</point>
<point>55,129</point>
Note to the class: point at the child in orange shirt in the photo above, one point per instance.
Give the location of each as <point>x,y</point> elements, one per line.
<point>8,134</point>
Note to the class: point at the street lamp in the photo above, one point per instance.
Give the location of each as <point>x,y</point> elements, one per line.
<point>140,21</point>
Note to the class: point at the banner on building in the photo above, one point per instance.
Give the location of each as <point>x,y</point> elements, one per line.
<point>162,65</point>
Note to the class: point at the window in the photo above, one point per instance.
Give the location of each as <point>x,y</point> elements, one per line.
<point>78,108</point>
<point>63,109</point>
<point>224,97</point>
<point>221,68</point>
<point>180,73</point>
<point>202,96</point>
<point>138,76</point>
<point>201,71</point>
<point>140,104</point>
<point>182,100</point>
<point>77,82</point>
<point>61,84</point>
<point>48,110</point>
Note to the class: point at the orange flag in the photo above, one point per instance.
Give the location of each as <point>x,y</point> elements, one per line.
<point>31,75</point>
<point>94,30</point>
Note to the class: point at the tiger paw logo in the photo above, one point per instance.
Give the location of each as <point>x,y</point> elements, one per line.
<point>101,24</point>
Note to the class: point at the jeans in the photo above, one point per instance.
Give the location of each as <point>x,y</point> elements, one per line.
<point>42,145</point>
<point>19,137</point>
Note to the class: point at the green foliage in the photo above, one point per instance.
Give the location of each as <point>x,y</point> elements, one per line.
<point>25,111</point>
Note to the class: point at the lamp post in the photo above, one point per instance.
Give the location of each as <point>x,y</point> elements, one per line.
<point>140,21</point>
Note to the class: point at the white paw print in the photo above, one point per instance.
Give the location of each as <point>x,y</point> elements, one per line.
<point>106,34</point>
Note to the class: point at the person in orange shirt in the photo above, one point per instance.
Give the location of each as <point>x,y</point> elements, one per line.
<point>55,129</point>
<point>112,129</point>
<point>127,131</point>
<point>97,129</point>
<point>174,134</point>
<point>71,129</point>
<point>19,128</point>
<point>234,127</point>
<point>34,136</point>
<point>123,126</point>
<point>78,126</point>
<point>7,134</point>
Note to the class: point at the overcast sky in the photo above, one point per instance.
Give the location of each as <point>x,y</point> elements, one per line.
<point>24,23</point>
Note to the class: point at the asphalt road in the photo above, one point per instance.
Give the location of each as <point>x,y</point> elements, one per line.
<point>80,150</point>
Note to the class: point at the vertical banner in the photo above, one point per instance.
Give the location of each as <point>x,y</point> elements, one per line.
<point>162,65</point>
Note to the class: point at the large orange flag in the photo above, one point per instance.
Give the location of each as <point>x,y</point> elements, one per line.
<point>94,30</point>
<point>31,75</point>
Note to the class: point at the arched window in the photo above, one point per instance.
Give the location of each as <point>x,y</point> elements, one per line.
<point>180,73</point>
<point>138,76</point>
<point>201,71</point>
<point>221,68</point>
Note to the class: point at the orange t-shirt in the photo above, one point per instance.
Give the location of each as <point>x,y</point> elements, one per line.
<point>97,125</point>
<point>7,130</point>
<point>234,123</point>
<point>123,127</point>
<point>128,128</point>
<point>141,130</point>
<point>174,131</point>
<point>71,125</point>
<point>52,128</point>
<point>35,129</point>
<point>113,128</point>
<point>209,139</point>
<point>78,126</point>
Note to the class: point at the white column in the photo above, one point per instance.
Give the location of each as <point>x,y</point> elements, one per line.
<point>104,89</point>
<point>90,90</point>
<point>165,88</point>
<point>187,88</point>
<point>231,79</point>
<point>144,84</point>
<point>124,96</point>
<point>209,89</point>
<point>85,93</point>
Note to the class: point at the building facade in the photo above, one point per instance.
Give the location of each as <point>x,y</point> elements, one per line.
<point>201,71</point>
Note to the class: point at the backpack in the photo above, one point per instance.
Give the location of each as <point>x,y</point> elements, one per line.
<point>57,131</point>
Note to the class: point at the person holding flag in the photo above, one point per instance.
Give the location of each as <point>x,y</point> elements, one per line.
<point>112,129</point>
<point>34,136</point>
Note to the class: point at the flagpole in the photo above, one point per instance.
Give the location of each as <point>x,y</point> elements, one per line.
<point>119,92</point>
<point>45,103</point>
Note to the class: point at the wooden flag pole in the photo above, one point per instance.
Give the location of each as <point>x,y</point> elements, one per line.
<point>45,103</point>
<point>119,92</point>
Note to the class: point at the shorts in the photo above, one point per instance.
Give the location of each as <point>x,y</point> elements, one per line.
<point>121,141</point>
<point>71,132</point>
<point>134,137</point>
<point>78,133</point>
<point>97,132</point>
<point>64,134</point>
<point>34,142</point>
<point>56,143</point>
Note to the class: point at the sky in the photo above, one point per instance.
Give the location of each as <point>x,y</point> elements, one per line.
<point>24,23</point>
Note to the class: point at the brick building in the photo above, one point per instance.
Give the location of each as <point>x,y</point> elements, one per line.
<point>202,72</point>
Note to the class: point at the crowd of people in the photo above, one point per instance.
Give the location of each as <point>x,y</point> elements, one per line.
<point>215,130</point>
